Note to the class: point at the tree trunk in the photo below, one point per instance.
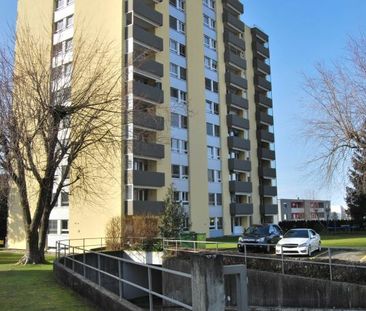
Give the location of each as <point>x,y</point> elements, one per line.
<point>34,254</point>
<point>43,230</point>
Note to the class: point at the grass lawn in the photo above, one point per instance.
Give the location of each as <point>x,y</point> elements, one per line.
<point>33,288</point>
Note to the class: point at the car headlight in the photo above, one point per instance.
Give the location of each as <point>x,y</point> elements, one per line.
<point>241,239</point>
<point>261,240</point>
<point>303,245</point>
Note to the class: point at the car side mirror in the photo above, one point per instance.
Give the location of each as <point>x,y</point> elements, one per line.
<point>281,236</point>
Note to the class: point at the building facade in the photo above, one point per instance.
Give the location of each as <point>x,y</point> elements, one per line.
<point>298,209</point>
<point>202,116</point>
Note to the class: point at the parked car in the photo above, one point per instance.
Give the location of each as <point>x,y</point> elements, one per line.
<point>259,236</point>
<point>299,242</point>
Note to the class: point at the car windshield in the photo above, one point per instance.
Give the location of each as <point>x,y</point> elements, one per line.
<point>297,234</point>
<point>257,230</point>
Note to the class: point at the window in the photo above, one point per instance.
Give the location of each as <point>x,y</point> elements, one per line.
<point>59,4</point>
<point>175,171</point>
<point>175,145</point>
<point>211,199</point>
<point>59,26</point>
<point>214,175</point>
<point>178,95</point>
<point>52,227</point>
<point>68,45</point>
<point>209,3</point>
<point>64,226</point>
<point>209,22</point>
<point>177,48</point>
<point>219,223</point>
<point>67,69</point>
<point>212,107</point>
<point>178,72</point>
<point>215,223</point>
<point>64,198</point>
<point>213,129</point>
<point>178,120</point>
<point>212,223</point>
<point>69,21</point>
<point>63,172</point>
<point>211,85</point>
<point>218,199</point>
<point>209,42</point>
<point>57,50</point>
<point>185,172</point>
<point>181,197</point>
<point>213,153</point>
<point>210,63</point>
<point>179,146</point>
<point>176,24</point>
<point>179,4</point>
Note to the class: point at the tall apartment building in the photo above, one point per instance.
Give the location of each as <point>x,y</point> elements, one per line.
<point>206,80</point>
<point>299,209</point>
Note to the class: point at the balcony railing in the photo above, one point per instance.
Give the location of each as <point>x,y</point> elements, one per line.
<point>148,207</point>
<point>238,143</point>
<point>240,186</point>
<point>148,179</point>
<point>234,40</point>
<point>144,38</point>
<point>145,12</point>
<point>237,121</point>
<point>148,93</point>
<point>234,22</point>
<point>235,60</point>
<point>238,209</point>
<point>236,80</point>
<point>240,165</point>
<point>148,150</point>
<point>237,101</point>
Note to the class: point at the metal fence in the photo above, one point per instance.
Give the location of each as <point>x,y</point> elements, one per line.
<point>73,253</point>
<point>328,261</point>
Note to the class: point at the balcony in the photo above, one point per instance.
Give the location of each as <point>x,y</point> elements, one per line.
<point>148,179</point>
<point>259,34</point>
<point>238,143</point>
<point>235,6</point>
<point>267,172</point>
<point>260,49</point>
<point>240,186</point>
<point>238,209</point>
<point>270,209</point>
<point>145,38</point>
<point>145,12</point>
<point>150,67</point>
<point>234,40</point>
<point>236,81</point>
<point>148,150</point>
<point>147,120</point>
<point>236,101</point>
<point>262,66</point>
<point>234,22</point>
<point>264,118</point>
<point>268,191</point>
<point>263,100</point>
<point>235,60</point>
<point>148,93</point>
<point>267,154</point>
<point>263,83</point>
<point>266,136</point>
<point>237,121</point>
<point>240,165</point>
<point>148,207</point>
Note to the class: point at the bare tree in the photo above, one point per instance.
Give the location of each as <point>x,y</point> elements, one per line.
<point>56,115</point>
<point>337,112</point>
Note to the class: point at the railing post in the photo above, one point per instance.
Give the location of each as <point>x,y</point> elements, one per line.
<point>176,246</point>
<point>151,303</point>
<point>217,247</point>
<point>283,264</point>
<point>69,247</point>
<point>120,283</point>
<point>73,262</point>
<point>194,246</point>
<point>99,269</point>
<point>84,267</point>
<point>330,264</point>
<point>245,253</point>
<point>101,243</point>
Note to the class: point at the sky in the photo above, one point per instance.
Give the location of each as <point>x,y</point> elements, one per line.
<point>302,33</point>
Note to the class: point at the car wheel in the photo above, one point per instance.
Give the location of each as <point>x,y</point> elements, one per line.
<point>309,251</point>
<point>240,249</point>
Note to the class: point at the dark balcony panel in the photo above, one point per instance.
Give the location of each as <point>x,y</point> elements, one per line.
<point>240,186</point>
<point>259,34</point>
<point>260,49</point>
<point>148,150</point>
<point>145,12</point>
<point>237,121</point>
<point>147,120</point>
<point>236,80</point>
<point>148,207</point>
<point>262,66</point>
<point>268,191</point>
<point>263,83</point>
<point>263,100</point>
<point>267,154</point>
<point>233,21</point>
<point>235,5</point>
<point>150,66</point>
<point>237,101</point>
<point>267,172</point>
<point>144,37</point>
<point>238,209</point>
<point>265,118</point>
<point>148,179</point>
<point>148,93</point>
<point>240,165</point>
<point>270,209</point>
<point>235,60</point>
<point>234,40</point>
<point>238,143</point>
<point>266,136</point>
